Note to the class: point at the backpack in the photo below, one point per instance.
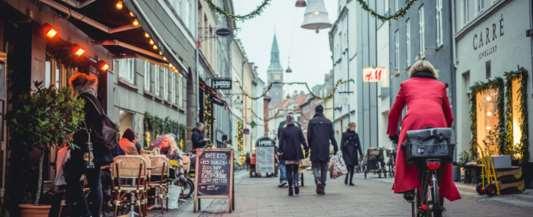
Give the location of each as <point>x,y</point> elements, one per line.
<point>109,133</point>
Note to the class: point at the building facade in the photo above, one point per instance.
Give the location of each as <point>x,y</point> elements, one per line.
<point>493,55</point>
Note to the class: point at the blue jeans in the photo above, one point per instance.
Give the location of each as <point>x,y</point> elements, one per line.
<point>282,171</point>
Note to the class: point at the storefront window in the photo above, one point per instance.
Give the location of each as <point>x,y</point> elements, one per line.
<point>516,145</point>
<point>56,73</point>
<point>488,121</point>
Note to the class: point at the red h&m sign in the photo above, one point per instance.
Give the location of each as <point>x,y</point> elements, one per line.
<point>374,74</point>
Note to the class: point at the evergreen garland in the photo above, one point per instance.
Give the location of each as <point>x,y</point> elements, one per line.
<point>258,10</point>
<point>155,126</point>
<point>480,86</point>
<point>522,148</point>
<point>397,15</point>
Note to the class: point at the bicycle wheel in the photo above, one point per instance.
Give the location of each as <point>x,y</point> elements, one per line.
<point>436,208</point>
<point>187,187</point>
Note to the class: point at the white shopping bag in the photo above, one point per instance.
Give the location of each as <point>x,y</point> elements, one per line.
<point>337,166</point>
<point>173,196</point>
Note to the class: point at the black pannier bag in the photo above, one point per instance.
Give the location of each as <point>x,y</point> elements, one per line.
<point>429,143</point>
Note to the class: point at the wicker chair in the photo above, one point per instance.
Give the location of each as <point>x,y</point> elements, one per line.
<point>159,179</point>
<point>130,183</point>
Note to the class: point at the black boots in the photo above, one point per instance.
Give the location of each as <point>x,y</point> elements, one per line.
<point>291,193</point>
<point>349,176</point>
<point>320,189</point>
<point>297,190</point>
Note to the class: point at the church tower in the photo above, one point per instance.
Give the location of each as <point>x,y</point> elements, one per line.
<point>275,74</point>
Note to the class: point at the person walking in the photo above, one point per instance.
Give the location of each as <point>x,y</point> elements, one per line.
<point>86,86</point>
<point>320,135</point>
<point>429,107</point>
<point>281,165</point>
<point>291,142</point>
<point>351,150</point>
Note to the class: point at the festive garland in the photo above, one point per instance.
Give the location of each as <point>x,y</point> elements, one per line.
<point>522,147</point>
<point>269,87</point>
<point>258,10</point>
<point>397,15</point>
<point>240,137</point>
<point>480,86</point>
<point>208,115</point>
<point>155,126</point>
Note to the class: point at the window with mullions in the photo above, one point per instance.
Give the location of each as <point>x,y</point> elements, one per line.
<point>408,41</point>
<point>421,31</point>
<point>55,73</point>
<point>147,80</point>
<point>162,82</point>
<point>126,69</point>
<point>156,79</point>
<point>170,86</point>
<point>439,18</point>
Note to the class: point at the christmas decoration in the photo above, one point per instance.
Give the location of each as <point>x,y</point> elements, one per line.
<point>516,113</point>
<point>397,15</point>
<point>208,115</point>
<point>260,8</point>
<point>496,84</point>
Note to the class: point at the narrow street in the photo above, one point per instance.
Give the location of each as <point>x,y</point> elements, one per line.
<point>260,197</point>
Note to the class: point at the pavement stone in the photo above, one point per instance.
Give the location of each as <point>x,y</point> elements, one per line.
<point>260,197</point>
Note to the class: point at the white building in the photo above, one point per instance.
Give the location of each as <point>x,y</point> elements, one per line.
<point>493,38</point>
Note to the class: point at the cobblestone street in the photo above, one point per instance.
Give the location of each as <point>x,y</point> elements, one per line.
<point>259,197</point>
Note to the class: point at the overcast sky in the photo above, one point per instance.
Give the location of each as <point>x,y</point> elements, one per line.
<point>309,53</point>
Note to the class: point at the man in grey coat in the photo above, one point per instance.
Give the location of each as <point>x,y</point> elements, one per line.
<point>320,135</point>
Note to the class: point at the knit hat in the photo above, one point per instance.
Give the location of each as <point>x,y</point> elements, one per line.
<point>319,109</point>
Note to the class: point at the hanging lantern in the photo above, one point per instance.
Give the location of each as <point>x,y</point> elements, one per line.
<point>300,3</point>
<point>49,31</point>
<point>77,50</point>
<point>289,70</point>
<point>316,16</point>
<point>102,65</point>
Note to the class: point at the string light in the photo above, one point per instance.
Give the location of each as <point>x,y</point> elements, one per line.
<point>135,22</point>
<point>102,65</point>
<point>146,35</point>
<point>154,47</point>
<point>151,42</point>
<point>119,5</point>
<point>131,14</point>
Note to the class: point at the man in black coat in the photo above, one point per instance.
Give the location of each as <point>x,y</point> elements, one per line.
<point>351,150</point>
<point>319,136</point>
<point>290,147</point>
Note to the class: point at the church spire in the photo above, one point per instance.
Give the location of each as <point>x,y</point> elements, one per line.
<point>275,64</point>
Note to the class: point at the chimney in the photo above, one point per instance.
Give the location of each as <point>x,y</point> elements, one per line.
<point>266,112</point>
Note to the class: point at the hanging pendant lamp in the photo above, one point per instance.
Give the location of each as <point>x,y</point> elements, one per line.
<point>300,3</point>
<point>316,16</point>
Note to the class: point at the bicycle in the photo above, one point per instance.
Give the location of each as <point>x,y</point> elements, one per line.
<point>429,150</point>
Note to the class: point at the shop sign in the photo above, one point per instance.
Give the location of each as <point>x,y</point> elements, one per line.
<point>214,176</point>
<point>484,40</point>
<point>221,83</point>
<point>374,74</point>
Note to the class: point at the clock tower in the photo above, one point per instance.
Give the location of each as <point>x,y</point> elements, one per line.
<point>275,74</point>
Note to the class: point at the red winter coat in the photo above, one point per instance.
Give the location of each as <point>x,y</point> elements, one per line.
<point>427,107</point>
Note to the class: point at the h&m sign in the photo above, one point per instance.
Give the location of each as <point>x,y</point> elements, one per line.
<point>374,74</point>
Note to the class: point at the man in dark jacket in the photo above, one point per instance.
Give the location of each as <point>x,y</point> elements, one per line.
<point>351,150</point>
<point>198,138</point>
<point>319,136</point>
<point>290,148</point>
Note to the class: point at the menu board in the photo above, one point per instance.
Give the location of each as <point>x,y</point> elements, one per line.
<point>264,152</point>
<point>214,176</point>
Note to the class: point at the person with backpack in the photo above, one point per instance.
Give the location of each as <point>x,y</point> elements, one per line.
<point>93,145</point>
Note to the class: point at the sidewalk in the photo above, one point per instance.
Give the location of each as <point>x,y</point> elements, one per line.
<point>520,200</point>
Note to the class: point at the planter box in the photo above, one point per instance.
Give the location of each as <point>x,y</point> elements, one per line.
<point>30,210</point>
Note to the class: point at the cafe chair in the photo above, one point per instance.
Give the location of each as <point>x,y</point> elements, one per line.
<point>159,180</point>
<point>130,184</point>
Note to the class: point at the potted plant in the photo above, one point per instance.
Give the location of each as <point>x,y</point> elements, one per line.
<point>42,119</point>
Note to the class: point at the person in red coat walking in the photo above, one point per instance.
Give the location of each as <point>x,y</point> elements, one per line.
<point>428,107</point>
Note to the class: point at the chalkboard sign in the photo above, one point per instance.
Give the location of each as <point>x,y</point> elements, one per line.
<point>264,151</point>
<point>214,176</point>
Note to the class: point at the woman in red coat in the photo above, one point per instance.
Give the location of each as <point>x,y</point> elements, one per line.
<point>427,107</point>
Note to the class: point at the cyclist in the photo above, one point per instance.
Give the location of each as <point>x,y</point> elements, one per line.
<point>428,107</point>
